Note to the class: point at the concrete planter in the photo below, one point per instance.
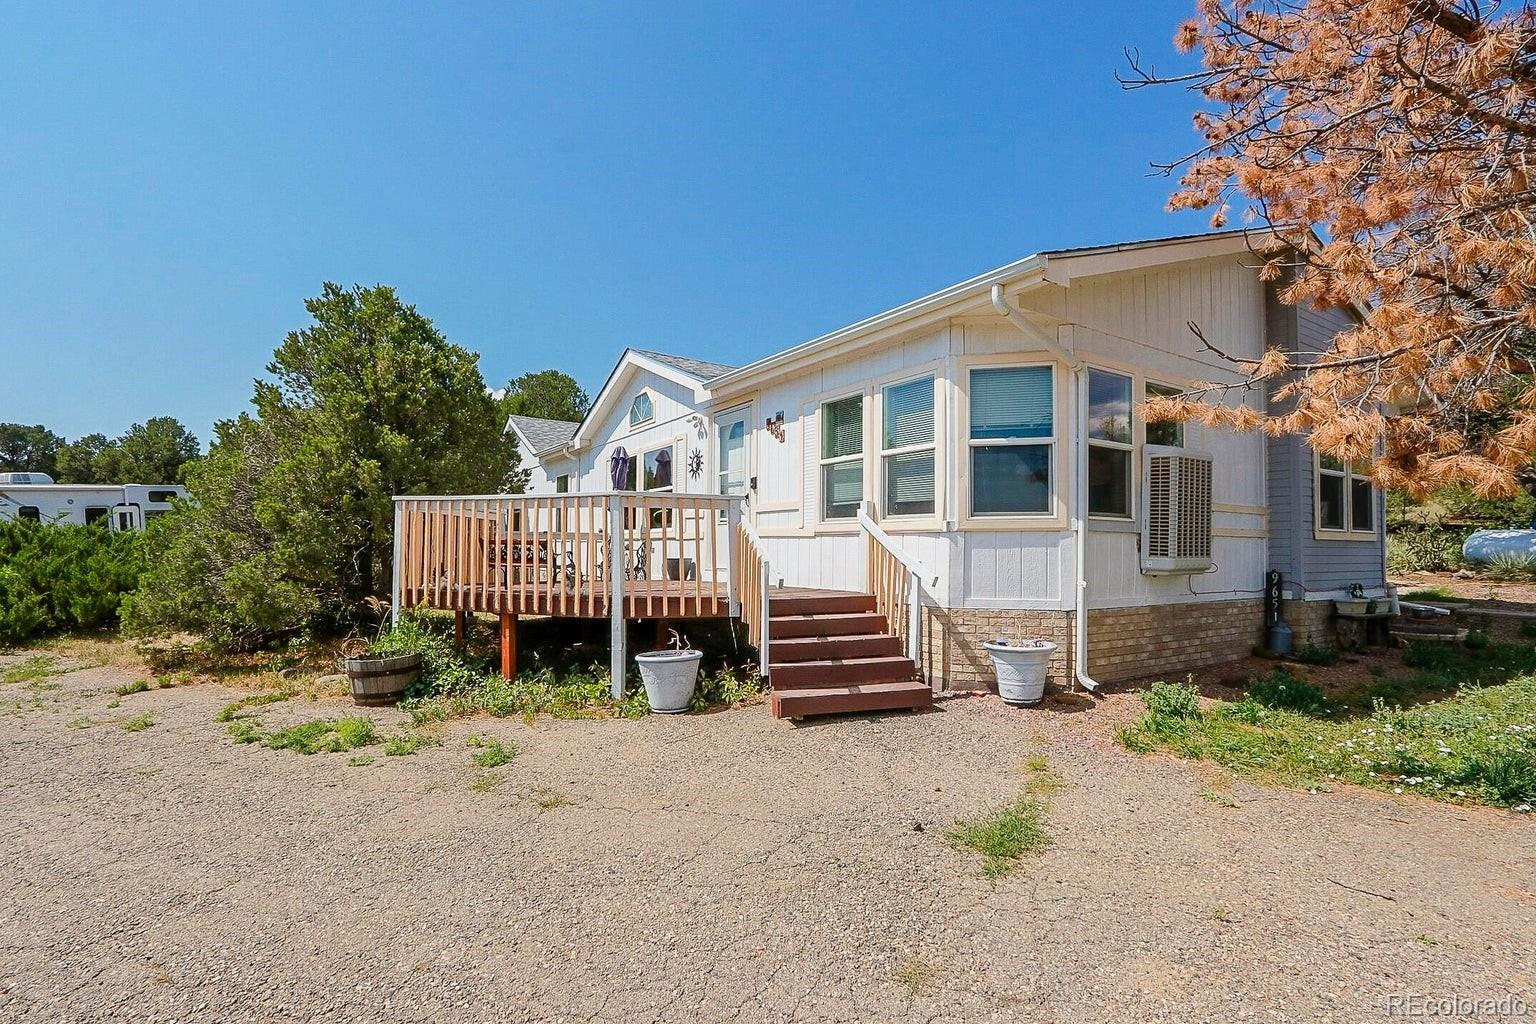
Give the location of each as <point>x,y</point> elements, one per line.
<point>1021,669</point>
<point>670,678</point>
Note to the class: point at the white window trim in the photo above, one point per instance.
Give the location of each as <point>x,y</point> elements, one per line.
<point>861,457</point>
<point>1001,519</point>
<point>1128,447</point>
<point>886,454</point>
<point>630,416</point>
<point>1347,474</point>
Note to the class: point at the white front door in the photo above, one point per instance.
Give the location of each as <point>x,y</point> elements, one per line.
<point>733,466</point>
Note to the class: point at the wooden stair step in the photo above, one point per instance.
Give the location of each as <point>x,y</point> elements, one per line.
<point>840,672</point>
<point>789,627</point>
<point>827,604</point>
<point>834,700</point>
<point>826,648</point>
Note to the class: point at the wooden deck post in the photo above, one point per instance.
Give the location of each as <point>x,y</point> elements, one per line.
<point>616,657</point>
<point>458,627</point>
<point>509,645</point>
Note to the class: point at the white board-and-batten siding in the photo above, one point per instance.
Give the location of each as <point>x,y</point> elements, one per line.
<point>1133,323</point>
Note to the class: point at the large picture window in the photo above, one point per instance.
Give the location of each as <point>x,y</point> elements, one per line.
<point>907,448</point>
<point>1012,440</point>
<point>1346,499</point>
<point>842,458</point>
<point>1109,444</point>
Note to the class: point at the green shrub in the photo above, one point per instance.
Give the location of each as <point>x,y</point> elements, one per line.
<point>1428,548</point>
<point>1511,567</point>
<point>1476,640</point>
<point>1172,700</point>
<point>1528,629</point>
<point>1429,654</point>
<point>61,578</point>
<point>1280,689</point>
<point>1312,654</point>
<point>1510,775</point>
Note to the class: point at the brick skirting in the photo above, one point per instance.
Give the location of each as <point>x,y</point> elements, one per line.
<point>1123,643</point>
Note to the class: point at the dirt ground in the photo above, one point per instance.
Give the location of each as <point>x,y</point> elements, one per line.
<point>722,867</point>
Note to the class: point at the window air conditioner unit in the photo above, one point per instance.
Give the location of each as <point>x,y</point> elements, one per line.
<point>1176,527</point>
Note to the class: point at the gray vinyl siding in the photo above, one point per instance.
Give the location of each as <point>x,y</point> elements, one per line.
<point>1309,564</point>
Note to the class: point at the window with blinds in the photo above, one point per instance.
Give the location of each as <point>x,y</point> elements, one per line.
<point>1012,440</point>
<point>907,447</point>
<point>842,457</point>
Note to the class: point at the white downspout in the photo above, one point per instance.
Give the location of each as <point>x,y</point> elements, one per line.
<point>1079,485</point>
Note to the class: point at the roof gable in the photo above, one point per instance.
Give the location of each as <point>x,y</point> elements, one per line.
<point>539,434</point>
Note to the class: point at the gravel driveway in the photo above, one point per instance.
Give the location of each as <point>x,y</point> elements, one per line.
<point>724,867</point>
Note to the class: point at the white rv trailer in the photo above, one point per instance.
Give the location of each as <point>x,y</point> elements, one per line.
<point>119,506</point>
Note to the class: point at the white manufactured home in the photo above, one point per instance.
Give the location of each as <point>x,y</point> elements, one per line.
<point>35,497</point>
<point>973,464</point>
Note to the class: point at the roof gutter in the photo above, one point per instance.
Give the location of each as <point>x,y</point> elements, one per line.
<point>1042,337</point>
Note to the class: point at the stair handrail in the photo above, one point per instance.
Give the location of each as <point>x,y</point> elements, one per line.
<point>750,589</point>
<point>912,584</point>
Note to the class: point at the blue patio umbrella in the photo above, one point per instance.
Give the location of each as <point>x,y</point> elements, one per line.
<point>618,469</point>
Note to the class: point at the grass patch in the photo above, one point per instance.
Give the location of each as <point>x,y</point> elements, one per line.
<point>238,708</point>
<point>360,760</point>
<point>39,666</point>
<point>548,800</point>
<point>1435,593</point>
<point>1217,797</point>
<point>243,730</point>
<point>137,686</point>
<point>920,977</point>
<point>1004,837</point>
<point>492,753</point>
<point>80,723</point>
<point>407,743</point>
<point>1477,744</point>
<point>136,724</point>
<point>484,782</point>
<point>323,736</point>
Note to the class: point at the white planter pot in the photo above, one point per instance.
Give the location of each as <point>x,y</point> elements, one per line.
<point>1021,670</point>
<point>669,677</point>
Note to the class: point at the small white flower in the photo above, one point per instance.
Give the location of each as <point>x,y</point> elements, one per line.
<point>1397,789</point>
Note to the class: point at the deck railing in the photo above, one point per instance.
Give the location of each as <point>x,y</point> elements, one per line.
<point>897,584</point>
<point>670,554</point>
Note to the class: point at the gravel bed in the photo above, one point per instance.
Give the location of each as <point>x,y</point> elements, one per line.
<point>722,867</point>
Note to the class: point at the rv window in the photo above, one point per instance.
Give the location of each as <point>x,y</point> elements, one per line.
<point>31,512</point>
<point>95,514</point>
<point>163,497</point>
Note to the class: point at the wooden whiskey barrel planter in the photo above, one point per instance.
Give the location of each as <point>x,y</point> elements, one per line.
<point>381,680</point>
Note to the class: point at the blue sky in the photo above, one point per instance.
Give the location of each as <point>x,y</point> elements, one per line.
<point>549,183</point>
